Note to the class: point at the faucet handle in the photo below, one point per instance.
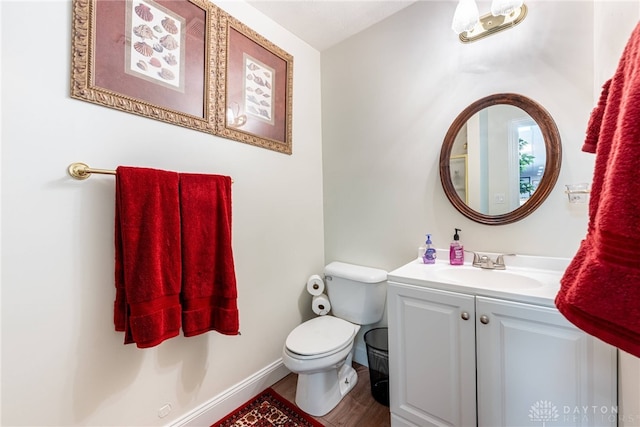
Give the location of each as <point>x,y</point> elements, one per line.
<point>476,259</point>
<point>500,260</point>
<point>482,261</point>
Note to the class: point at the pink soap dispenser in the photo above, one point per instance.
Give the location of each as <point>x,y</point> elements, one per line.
<point>456,250</point>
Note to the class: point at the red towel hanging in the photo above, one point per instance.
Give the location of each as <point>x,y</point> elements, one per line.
<point>600,290</point>
<point>148,261</point>
<point>208,281</point>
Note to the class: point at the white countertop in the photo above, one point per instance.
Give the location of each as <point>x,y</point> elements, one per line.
<point>511,284</point>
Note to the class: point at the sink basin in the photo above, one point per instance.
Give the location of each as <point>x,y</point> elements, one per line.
<point>488,278</point>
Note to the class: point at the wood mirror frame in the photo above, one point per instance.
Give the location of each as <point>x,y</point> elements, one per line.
<point>552,144</point>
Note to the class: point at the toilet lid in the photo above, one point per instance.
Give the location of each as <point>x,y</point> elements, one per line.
<point>320,335</point>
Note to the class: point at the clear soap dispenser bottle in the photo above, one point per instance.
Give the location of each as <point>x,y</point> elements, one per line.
<point>456,250</point>
<point>429,253</point>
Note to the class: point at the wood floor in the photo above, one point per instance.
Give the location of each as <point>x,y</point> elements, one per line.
<point>357,408</point>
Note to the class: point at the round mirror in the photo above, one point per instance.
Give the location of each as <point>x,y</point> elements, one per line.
<point>500,159</point>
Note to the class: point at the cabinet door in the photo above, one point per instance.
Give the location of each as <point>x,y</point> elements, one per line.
<point>536,368</point>
<point>431,356</point>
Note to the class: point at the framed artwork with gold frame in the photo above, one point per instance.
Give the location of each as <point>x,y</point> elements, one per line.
<point>152,58</point>
<point>255,88</point>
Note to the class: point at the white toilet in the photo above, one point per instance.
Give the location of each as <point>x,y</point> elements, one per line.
<point>320,350</point>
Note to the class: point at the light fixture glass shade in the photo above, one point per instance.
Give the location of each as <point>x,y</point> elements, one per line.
<point>465,17</point>
<point>504,7</point>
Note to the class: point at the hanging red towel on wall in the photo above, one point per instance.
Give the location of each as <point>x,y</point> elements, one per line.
<point>147,250</point>
<point>600,290</point>
<point>209,296</point>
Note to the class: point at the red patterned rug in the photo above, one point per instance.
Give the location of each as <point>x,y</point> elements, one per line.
<point>266,410</point>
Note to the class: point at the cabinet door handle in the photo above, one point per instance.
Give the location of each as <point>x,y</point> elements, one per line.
<point>465,315</point>
<point>484,319</point>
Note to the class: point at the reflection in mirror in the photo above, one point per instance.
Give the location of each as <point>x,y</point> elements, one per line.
<point>497,159</point>
<point>500,158</point>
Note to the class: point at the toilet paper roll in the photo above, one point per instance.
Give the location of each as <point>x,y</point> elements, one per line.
<point>315,285</point>
<point>320,304</point>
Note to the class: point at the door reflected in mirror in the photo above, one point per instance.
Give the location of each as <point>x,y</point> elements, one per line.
<point>500,159</point>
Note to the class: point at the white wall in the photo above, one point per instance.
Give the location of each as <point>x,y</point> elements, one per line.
<point>389,96</point>
<point>391,92</point>
<point>62,361</point>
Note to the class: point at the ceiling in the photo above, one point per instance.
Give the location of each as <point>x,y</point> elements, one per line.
<point>324,23</point>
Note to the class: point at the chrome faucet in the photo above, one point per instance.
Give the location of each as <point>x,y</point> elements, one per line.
<point>483,261</point>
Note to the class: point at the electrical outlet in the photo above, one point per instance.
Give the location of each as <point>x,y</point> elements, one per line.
<point>164,410</point>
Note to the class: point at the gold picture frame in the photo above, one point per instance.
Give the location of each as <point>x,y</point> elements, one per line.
<point>152,58</point>
<point>255,88</point>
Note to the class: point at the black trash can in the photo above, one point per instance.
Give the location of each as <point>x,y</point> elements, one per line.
<point>377,341</point>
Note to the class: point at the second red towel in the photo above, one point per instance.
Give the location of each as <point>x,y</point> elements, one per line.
<point>209,295</point>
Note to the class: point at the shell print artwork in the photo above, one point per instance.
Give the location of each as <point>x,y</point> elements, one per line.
<point>258,80</point>
<point>259,112</point>
<point>144,31</point>
<point>155,48</point>
<point>258,91</point>
<point>168,42</point>
<point>166,74</point>
<point>143,48</point>
<point>155,62</point>
<point>144,12</point>
<point>170,59</point>
<point>170,25</point>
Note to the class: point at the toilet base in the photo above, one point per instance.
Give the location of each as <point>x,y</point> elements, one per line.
<point>317,394</point>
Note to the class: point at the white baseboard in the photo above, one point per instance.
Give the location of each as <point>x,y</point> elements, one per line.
<point>230,399</point>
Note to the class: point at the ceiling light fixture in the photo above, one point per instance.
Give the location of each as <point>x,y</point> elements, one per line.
<point>466,16</point>
<point>505,7</point>
<point>470,26</point>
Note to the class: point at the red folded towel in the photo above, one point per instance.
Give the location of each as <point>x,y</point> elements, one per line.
<point>209,296</point>
<point>147,249</point>
<point>600,290</point>
<point>595,121</point>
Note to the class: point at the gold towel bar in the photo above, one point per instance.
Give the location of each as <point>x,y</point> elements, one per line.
<point>82,171</point>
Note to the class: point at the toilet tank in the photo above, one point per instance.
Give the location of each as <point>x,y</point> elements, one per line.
<point>357,293</point>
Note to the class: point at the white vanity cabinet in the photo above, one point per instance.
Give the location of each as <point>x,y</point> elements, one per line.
<point>462,359</point>
<point>432,357</point>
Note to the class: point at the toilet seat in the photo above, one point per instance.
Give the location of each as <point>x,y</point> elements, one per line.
<point>320,336</point>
